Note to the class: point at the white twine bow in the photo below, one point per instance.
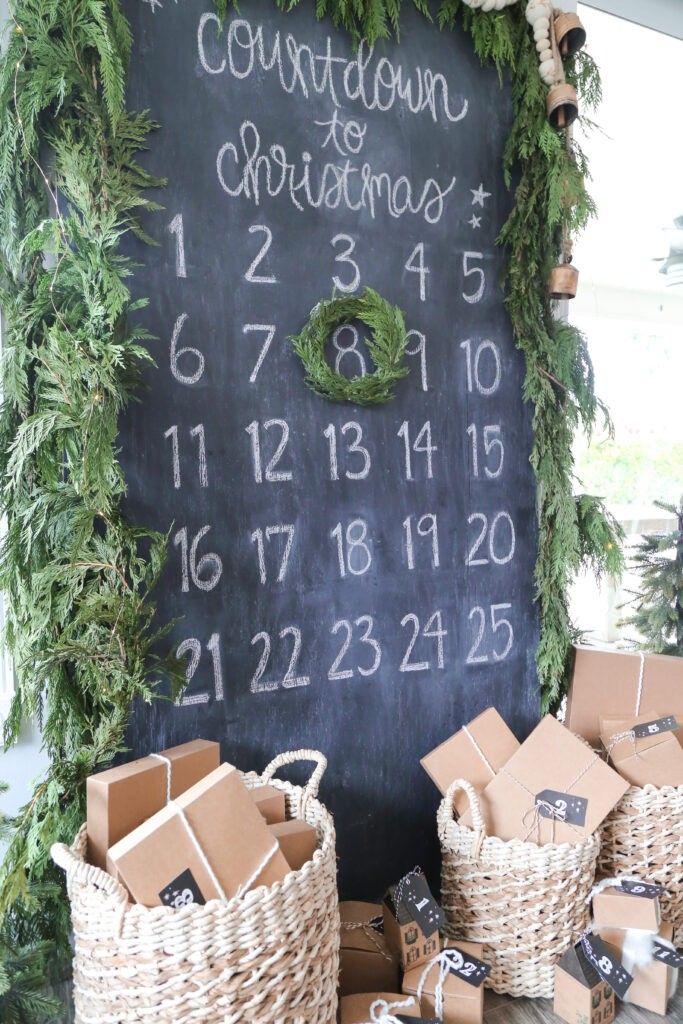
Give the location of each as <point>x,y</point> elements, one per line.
<point>169,771</point>
<point>446,960</point>
<point>551,812</point>
<point>382,1012</point>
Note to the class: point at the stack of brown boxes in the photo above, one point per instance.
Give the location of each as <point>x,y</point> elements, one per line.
<point>179,827</point>
<point>551,788</point>
<point>626,915</point>
<point>397,946</point>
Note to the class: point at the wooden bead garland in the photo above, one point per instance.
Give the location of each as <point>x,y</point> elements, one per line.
<point>490,5</point>
<point>539,14</point>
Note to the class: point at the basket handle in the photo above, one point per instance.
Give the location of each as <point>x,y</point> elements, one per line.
<point>475,807</point>
<point>87,874</point>
<point>310,790</point>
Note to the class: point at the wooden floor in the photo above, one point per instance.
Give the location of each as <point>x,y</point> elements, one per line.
<point>502,1010</point>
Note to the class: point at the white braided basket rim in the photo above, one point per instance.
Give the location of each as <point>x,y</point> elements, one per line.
<point>112,894</point>
<point>492,848</point>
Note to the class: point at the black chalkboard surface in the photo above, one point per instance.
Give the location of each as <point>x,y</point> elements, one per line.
<point>358,580</point>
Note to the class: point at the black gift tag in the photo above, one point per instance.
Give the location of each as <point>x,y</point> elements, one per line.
<point>653,728</point>
<point>608,966</point>
<point>644,889</point>
<point>417,899</point>
<point>671,957</point>
<point>471,970</point>
<point>182,891</point>
<point>566,806</point>
<point>417,1020</point>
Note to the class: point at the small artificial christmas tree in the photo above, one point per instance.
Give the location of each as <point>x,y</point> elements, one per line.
<point>658,604</point>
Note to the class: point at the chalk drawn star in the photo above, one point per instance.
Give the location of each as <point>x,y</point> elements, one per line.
<point>475,222</point>
<point>154,4</point>
<point>478,195</point>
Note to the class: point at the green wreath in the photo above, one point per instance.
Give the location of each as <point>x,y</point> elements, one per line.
<point>387,348</point>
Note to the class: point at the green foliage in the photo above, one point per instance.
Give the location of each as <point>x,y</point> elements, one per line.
<point>386,346</point>
<point>79,577</point>
<point>658,604</point>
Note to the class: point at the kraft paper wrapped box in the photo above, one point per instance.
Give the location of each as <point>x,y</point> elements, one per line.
<point>653,985</point>
<point>615,908</point>
<point>355,1009</point>
<point>209,843</point>
<point>655,758</point>
<point>555,766</point>
<point>271,803</point>
<point>366,964</point>
<point>463,1003</point>
<point>608,684</point>
<point>408,940</point>
<point>581,996</point>
<point>476,752</point>
<point>121,798</point>
<point>297,840</point>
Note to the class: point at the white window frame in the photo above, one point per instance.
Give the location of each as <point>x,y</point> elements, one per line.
<point>661,15</point>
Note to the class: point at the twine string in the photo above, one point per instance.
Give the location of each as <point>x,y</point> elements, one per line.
<point>245,886</point>
<point>371,929</point>
<point>551,812</point>
<point>479,751</point>
<point>169,771</point>
<point>554,816</point>
<point>641,680</point>
<point>198,847</point>
<point>446,960</point>
<point>382,1012</point>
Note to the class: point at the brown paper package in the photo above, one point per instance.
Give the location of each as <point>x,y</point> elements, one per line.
<point>297,839</point>
<point>121,798</point>
<point>366,965</point>
<point>476,752</point>
<point>270,802</point>
<point>605,683</point>
<point>551,758</point>
<point>404,937</point>
<point>462,1002</point>
<point>651,984</point>
<point>654,759</point>
<point>581,996</point>
<point>355,1009</point>
<point>229,830</point>
<point>613,908</point>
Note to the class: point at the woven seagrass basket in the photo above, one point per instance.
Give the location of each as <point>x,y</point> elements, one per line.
<point>643,836</point>
<point>526,903</point>
<point>270,956</point>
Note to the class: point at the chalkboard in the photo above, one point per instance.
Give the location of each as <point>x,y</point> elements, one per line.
<point>358,580</point>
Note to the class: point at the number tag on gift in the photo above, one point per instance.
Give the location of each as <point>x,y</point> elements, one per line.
<point>417,899</point>
<point>668,724</point>
<point>182,891</point>
<point>566,806</point>
<point>608,966</point>
<point>644,889</point>
<point>671,957</point>
<point>471,970</point>
<point>417,1020</point>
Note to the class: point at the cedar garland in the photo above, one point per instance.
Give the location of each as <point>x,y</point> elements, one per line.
<point>77,576</point>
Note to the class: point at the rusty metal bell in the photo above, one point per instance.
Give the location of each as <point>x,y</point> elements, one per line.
<point>569,33</point>
<point>563,282</point>
<point>562,105</point>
